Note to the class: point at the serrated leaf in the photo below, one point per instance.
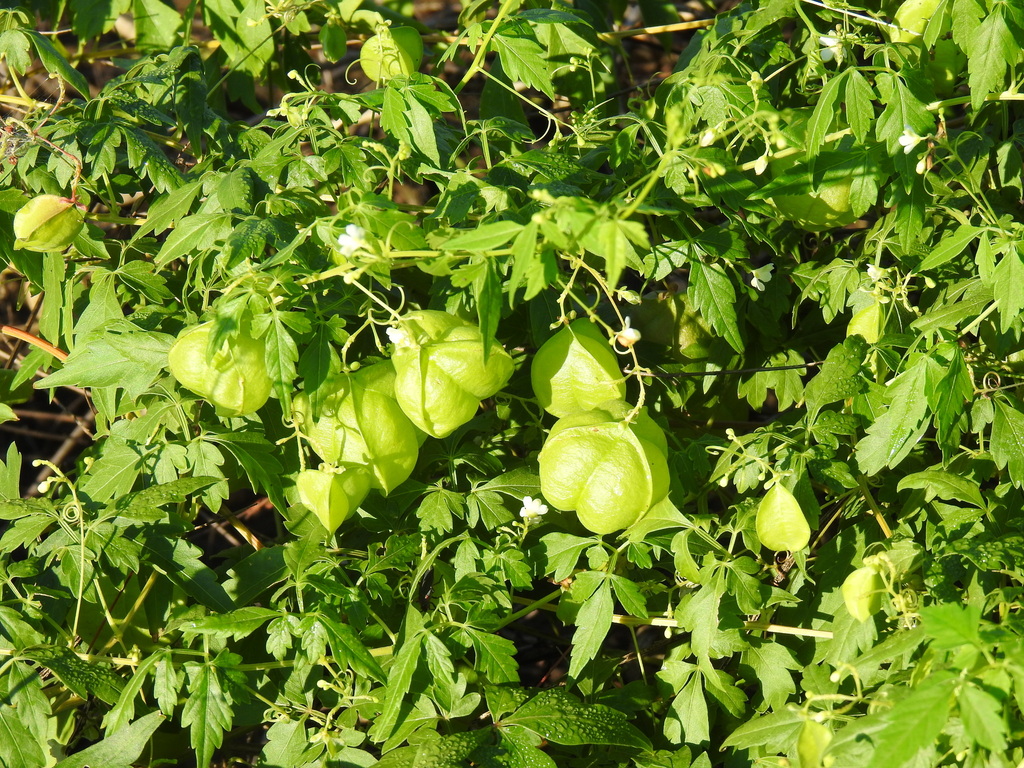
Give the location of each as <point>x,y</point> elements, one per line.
<point>207,711</point>
<point>944,485</point>
<point>1008,288</point>
<point>20,749</point>
<point>913,724</point>
<point>144,505</point>
<point>714,296</point>
<point>775,732</point>
<point>235,624</point>
<point>82,677</point>
<point>121,747</point>
<point>559,717</point>
<point>839,377</point>
<point>895,433</point>
<point>1007,443</point>
<point>593,621</point>
<point>993,49</point>
<point>349,649</point>
<point>951,626</point>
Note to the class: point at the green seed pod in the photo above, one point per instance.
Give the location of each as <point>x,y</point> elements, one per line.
<point>812,743</point>
<point>440,373</point>
<point>332,496</point>
<point>362,423</point>
<point>867,323</point>
<point>780,523</point>
<point>576,370</point>
<point>392,51</point>
<point>47,223</point>
<point>609,471</point>
<point>234,380</point>
<point>862,593</point>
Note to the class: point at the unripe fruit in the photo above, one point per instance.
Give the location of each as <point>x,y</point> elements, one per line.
<point>47,223</point>
<point>609,471</point>
<point>672,322</point>
<point>780,523</point>
<point>332,496</point>
<point>812,742</point>
<point>912,19</point>
<point>234,379</point>
<point>829,206</point>
<point>392,51</point>
<point>862,593</point>
<point>441,376</point>
<point>576,370</point>
<point>867,323</point>
<point>362,423</point>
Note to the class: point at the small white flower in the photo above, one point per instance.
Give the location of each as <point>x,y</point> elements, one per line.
<point>831,48</point>
<point>909,140</point>
<point>351,240</point>
<point>707,139</point>
<point>532,508</point>
<point>628,336</point>
<point>761,275</point>
<point>876,273</point>
<point>400,337</point>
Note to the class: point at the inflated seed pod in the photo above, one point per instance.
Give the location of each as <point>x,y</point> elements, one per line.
<point>362,423</point>
<point>47,223</point>
<point>780,521</point>
<point>862,593</point>
<point>611,472</point>
<point>234,379</point>
<point>332,495</point>
<point>440,372</point>
<point>576,370</point>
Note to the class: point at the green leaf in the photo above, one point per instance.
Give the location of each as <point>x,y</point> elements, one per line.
<point>121,747</point>
<point>436,752</point>
<point>495,657</point>
<point>992,50</point>
<point>893,435</point>
<point>522,57</point>
<point>144,505</point>
<point>903,111</point>
<point>1007,444</point>
<point>1008,288</point>
<point>349,649</point>
<point>82,677</point>
<point>951,626</point>
<point>560,717</point>
<point>839,377</point>
<point>56,63</point>
<point>118,356</point>
<point>179,559</point>
<point>775,732</point>
<point>982,715</point>
<point>944,485</point>
<point>486,237</point>
<point>913,723</point>
<point>18,747</point>
<point>951,246</point>
<point>593,621</point>
<point>714,297</point>
<point>235,624</point>
<point>207,711</point>
<point>770,663</point>
<point>559,553</point>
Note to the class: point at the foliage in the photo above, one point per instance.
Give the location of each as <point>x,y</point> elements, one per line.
<point>316,229</point>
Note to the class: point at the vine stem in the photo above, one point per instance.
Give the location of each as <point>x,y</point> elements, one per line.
<point>35,341</point>
<point>877,510</point>
<point>660,621</point>
<point>481,51</point>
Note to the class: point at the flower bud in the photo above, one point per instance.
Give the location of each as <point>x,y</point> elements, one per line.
<point>47,223</point>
